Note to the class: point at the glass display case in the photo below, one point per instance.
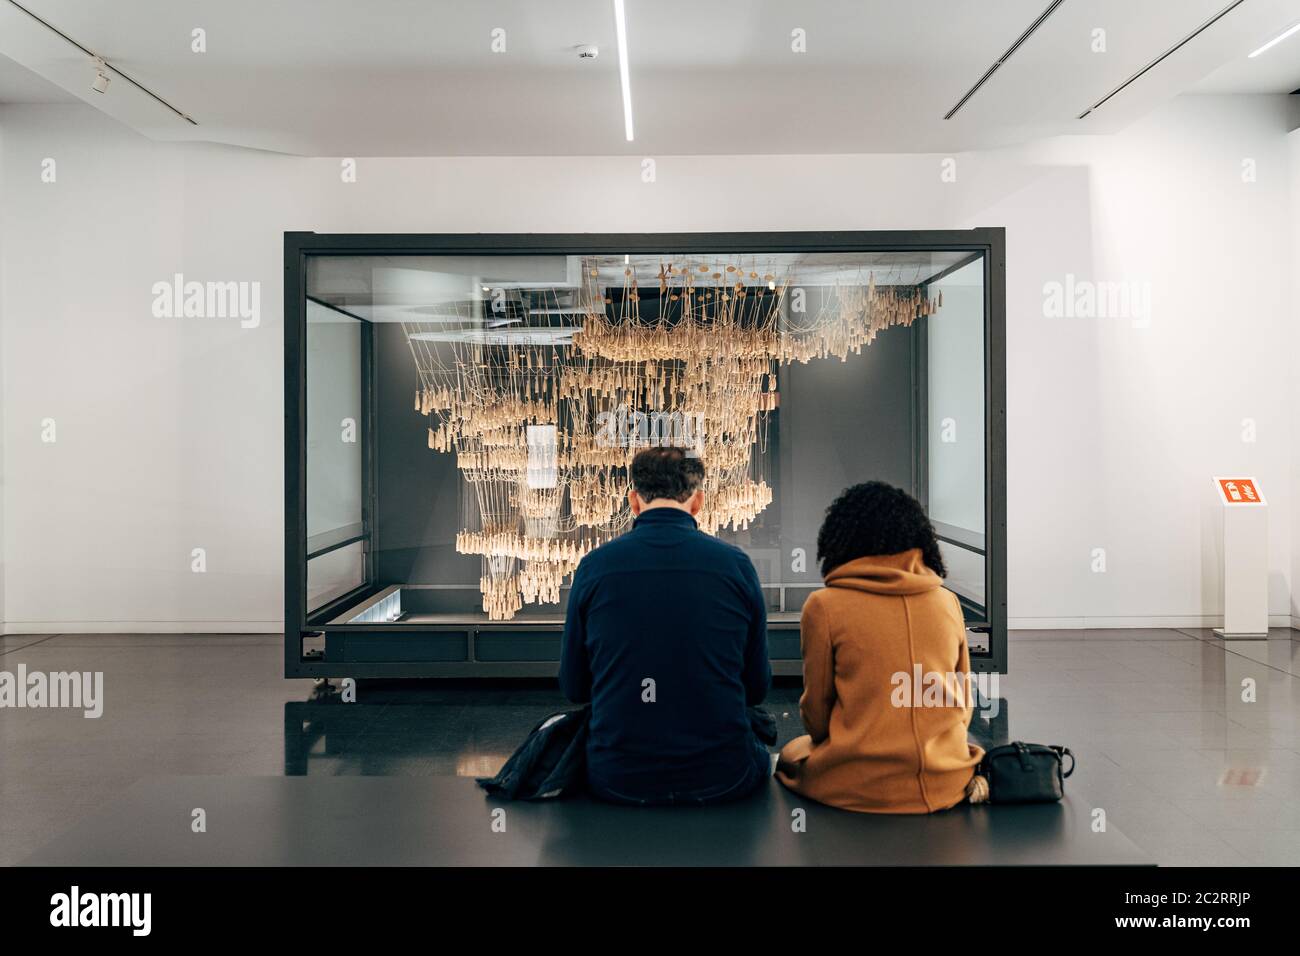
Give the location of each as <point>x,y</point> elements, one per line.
<point>461,411</point>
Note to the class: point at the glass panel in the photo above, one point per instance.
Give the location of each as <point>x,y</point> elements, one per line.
<point>511,393</point>
<point>334,450</point>
<point>334,574</point>
<point>965,572</point>
<point>956,432</point>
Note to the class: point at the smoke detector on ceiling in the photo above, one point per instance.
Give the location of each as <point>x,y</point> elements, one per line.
<point>587,51</point>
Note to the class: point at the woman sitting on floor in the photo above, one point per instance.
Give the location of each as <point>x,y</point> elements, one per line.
<point>882,627</point>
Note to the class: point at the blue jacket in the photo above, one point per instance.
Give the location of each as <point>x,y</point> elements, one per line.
<point>666,603</point>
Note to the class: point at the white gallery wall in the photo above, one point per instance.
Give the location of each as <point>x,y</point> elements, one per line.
<point>142,454</point>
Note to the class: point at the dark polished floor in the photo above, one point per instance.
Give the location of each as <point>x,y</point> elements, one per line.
<point>1167,746</point>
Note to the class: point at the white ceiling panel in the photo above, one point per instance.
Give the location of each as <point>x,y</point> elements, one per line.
<point>414,77</point>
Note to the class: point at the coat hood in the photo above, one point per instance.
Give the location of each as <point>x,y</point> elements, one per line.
<point>902,573</point>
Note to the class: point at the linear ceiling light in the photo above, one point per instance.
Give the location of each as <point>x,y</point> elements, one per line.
<point>620,24</point>
<point>1051,8</point>
<point>1173,49</point>
<point>1276,40</point>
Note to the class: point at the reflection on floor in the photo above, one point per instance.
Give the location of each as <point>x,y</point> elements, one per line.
<point>1188,744</point>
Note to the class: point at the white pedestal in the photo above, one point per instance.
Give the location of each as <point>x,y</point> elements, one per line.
<point>1245,570</point>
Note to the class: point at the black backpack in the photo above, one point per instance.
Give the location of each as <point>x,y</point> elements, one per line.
<point>551,762</point>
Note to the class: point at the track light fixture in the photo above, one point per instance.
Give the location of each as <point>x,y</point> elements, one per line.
<point>102,69</point>
<point>102,79</point>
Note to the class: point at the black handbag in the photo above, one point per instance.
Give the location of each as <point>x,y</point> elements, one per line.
<point>1026,773</point>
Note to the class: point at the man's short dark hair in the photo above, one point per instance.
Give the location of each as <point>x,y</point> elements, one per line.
<point>666,473</point>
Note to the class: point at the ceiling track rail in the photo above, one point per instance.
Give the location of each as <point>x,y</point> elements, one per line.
<point>1042,17</point>
<point>1172,50</point>
<point>95,56</point>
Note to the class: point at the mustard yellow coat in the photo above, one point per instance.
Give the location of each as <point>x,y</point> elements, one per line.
<point>874,744</point>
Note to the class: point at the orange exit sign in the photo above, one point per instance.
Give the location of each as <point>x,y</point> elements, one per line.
<point>1240,491</point>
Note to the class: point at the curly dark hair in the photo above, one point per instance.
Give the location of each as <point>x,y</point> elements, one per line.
<point>874,518</point>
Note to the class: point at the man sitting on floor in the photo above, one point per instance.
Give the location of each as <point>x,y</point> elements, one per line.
<point>666,636</point>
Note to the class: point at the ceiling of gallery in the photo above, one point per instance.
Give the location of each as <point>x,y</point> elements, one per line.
<point>419,77</point>
<point>20,85</point>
